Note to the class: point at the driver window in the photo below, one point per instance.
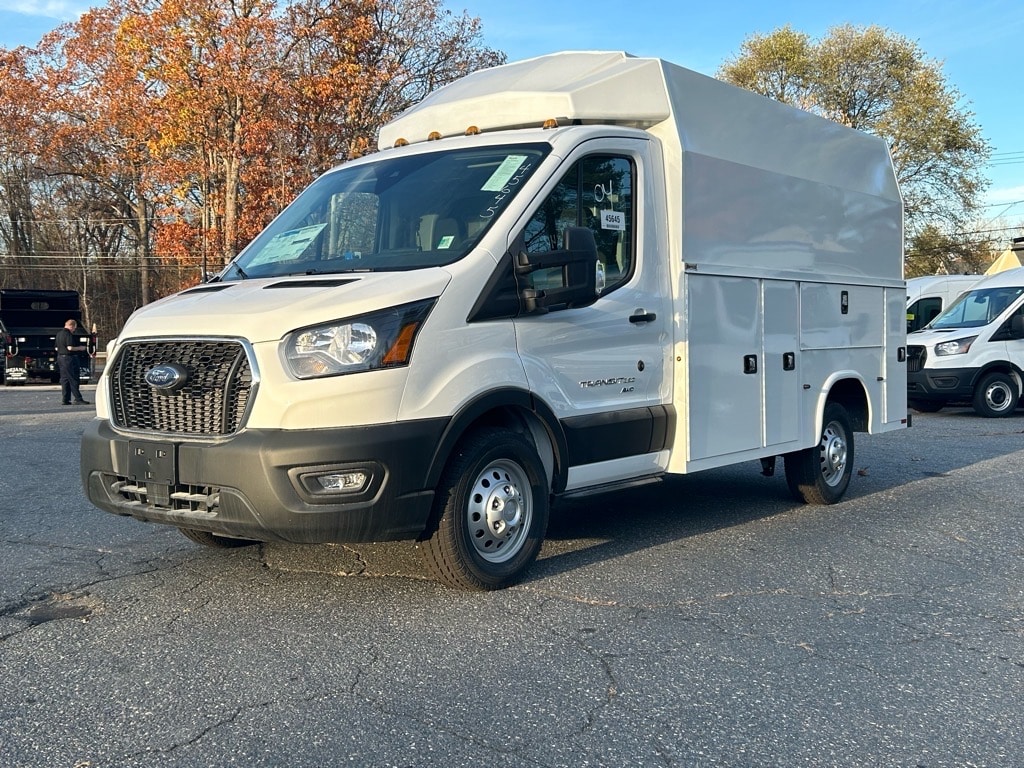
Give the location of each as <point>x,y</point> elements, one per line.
<point>597,193</point>
<point>922,312</point>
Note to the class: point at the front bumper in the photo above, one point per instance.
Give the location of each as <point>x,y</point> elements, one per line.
<point>941,384</point>
<point>260,484</point>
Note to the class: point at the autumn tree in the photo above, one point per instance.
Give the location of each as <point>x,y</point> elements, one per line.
<point>214,66</point>
<point>352,66</point>
<point>161,135</point>
<point>880,82</point>
<point>932,250</point>
<point>18,92</point>
<point>98,136</point>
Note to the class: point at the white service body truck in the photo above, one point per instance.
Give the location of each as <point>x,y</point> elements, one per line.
<point>558,276</point>
<point>973,352</point>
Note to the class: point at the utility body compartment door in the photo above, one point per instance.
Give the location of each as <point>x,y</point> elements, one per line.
<point>742,365</point>
<point>894,368</point>
<point>602,368</point>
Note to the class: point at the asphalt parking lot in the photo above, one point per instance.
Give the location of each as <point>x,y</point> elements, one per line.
<point>705,621</point>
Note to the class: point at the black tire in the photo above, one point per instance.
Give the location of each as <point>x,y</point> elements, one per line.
<point>927,406</point>
<point>208,539</point>
<point>996,395</point>
<point>490,513</point>
<point>821,474</point>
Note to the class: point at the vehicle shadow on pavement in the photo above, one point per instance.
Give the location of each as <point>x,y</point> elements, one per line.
<point>592,529</point>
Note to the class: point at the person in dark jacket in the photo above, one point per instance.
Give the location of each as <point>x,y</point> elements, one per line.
<point>67,362</point>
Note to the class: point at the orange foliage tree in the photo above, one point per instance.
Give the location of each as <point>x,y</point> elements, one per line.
<point>99,127</point>
<point>196,121</point>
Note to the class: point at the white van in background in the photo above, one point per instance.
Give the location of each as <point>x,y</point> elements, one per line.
<point>973,352</point>
<point>927,296</point>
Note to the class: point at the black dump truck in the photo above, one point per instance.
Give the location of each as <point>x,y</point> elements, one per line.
<point>29,321</point>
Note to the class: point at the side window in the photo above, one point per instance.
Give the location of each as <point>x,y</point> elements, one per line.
<point>922,312</point>
<point>597,193</point>
<point>1006,331</point>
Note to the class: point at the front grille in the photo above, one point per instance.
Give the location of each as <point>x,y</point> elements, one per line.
<point>916,357</point>
<point>212,402</point>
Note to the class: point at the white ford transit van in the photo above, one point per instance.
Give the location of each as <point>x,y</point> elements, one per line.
<point>556,277</point>
<point>973,352</point>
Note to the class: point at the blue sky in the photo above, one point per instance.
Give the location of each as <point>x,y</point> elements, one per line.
<point>980,43</point>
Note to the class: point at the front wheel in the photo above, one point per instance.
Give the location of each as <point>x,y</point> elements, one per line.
<point>490,513</point>
<point>821,474</point>
<point>996,395</point>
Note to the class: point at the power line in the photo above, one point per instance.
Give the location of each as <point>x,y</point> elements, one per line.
<point>1003,159</point>
<point>65,221</point>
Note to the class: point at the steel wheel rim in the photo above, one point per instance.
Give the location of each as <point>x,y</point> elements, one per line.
<point>834,454</point>
<point>997,396</point>
<point>499,511</point>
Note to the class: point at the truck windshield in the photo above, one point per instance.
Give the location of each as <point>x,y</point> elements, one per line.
<point>977,308</point>
<point>398,213</point>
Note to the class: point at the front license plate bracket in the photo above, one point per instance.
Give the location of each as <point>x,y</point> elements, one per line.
<point>152,462</point>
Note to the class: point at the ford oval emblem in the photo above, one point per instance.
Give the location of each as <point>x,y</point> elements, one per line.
<point>166,378</point>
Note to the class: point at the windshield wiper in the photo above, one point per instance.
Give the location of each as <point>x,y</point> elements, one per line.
<point>239,270</point>
<point>342,270</point>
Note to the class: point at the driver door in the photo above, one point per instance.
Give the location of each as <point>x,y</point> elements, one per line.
<point>602,368</point>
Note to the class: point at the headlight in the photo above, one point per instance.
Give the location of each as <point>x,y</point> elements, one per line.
<point>379,340</point>
<point>955,347</point>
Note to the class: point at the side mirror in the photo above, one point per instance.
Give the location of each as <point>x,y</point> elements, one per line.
<point>1011,329</point>
<point>572,272</point>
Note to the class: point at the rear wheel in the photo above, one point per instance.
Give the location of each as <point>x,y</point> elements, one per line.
<point>208,539</point>
<point>490,513</point>
<point>996,395</point>
<point>821,474</point>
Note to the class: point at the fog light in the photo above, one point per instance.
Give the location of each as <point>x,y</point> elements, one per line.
<point>343,482</point>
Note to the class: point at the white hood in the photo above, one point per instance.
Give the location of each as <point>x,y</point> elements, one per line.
<point>929,338</point>
<point>268,309</point>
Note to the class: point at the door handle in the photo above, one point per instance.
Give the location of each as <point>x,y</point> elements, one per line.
<point>640,316</point>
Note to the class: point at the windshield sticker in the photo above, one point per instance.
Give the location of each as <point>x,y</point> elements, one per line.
<point>445,242</point>
<point>503,173</point>
<point>287,246</point>
<point>506,190</point>
<point>614,220</point>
